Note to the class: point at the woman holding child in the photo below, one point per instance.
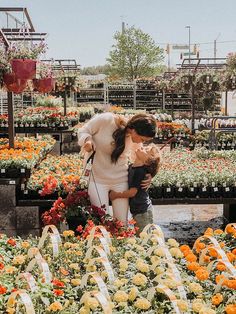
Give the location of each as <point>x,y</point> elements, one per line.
<point>114,142</point>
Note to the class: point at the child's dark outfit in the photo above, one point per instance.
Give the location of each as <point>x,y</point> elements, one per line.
<point>140,205</point>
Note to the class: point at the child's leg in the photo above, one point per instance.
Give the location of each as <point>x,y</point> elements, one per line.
<point>144,219</point>
<point>120,206</point>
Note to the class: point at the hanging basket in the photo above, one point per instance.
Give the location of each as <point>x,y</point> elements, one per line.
<point>14,84</point>
<point>24,68</point>
<point>44,85</point>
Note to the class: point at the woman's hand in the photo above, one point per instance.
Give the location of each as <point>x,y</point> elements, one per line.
<point>88,146</point>
<point>113,195</point>
<point>145,184</point>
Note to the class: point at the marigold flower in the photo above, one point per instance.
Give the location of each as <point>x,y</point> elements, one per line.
<point>142,304</point>
<point>120,296</point>
<point>191,257</point>
<point>230,309</point>
<point>139,279</point>
<point>55,306</point>
<point>193,266</point>
<point>217,299</point>
<point>58,292</point>
<point>202,274</point>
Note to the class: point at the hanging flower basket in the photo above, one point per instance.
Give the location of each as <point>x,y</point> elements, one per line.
<point>24,68</point>
<point>44,85</point>
<point>13,83</point>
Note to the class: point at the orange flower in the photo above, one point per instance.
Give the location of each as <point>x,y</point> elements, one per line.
<point>184,248</point>
<point>230,309</point>
<point>207,258</point>
<point>193,266</point>
<point>231,284</point>
<point>202,274</point>
<point>209,232</point>
<point>219,278</point>
<point>191,257</point>
<point>231,257</point>
<point>218,231</point>
<point>217,299</point>
<point>221,266</point>
<point>234,251</point>
<point>64,271</point>
<point>213,252</point>
<point>229,229</point>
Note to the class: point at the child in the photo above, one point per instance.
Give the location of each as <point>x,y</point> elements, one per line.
<point>147,160</point>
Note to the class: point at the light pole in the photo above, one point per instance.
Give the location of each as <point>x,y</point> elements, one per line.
<point>189,48</point>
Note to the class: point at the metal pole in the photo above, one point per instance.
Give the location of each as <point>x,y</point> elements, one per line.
<point>189,43</point>
<point>11,131</point>
<point>163,100</point>
<point>226,102</point>
<point>214,50</point>
<point>65,97</point>
<point>193,110</point>
<point>134,94</point>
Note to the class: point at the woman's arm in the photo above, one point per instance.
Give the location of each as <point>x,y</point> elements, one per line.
<point>125,194</point>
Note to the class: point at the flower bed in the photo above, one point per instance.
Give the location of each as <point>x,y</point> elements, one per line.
<point>28,152</point>
<point>60,174</point>
<point>98,274</point>
<point>201,173</point>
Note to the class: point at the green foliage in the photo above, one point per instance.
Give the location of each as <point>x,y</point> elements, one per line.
<point>94,70</point>
<point>134,55</point>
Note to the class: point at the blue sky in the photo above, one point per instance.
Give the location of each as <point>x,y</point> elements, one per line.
<point>83,30</point>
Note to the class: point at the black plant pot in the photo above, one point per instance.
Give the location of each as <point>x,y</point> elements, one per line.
<point>216,191</point>
<point>156,192</point>
<point>168,192</point>
<point>228,192</point>
<point>180,192</point>
<point>204,192</point>
<point>192,191</point>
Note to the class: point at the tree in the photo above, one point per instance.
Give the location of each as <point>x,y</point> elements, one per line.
<point>94,70</point>
<point>134,54</point>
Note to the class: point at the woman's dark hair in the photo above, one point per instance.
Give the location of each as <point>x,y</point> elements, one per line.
<point>143,124</point>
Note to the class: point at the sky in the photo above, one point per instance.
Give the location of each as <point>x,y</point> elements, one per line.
<point>84,29</point>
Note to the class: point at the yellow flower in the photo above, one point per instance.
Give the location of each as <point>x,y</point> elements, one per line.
<point>84,310</point>
<point>78,253</point>
<point>142,304</point>
<point>68,233</point>
<point>175,252</point>
<point>18,260</point>
<point>75,282</point>
<point>139,248</point>
<point>143,235</point>
<point>131,241</point>
<point>10,269</point>
<point>55,306</point>
<point>68,245</point>
<point>183,305</point>
<point>121,296</point>
<point>128,255</point>
<point>143,267</point>
<point>112,249</point>
<point>173,243</point>
<point>195,287</point>
<point>118,283</point>
<point>159,270</point>
<point>74,266</point>
<point>91,303</point>
<point>170,283</point>
<point>11,302</point>
<point>139,279</point>
<point>197,305</point>
<point>91,268</point>
<point>206,310</point>
<point>133,294</point>
<point>154,259</point>
<point>10,310</point>
<point>104,274</point>
<point>123,265</point>
<point>25,244</point>
<point>159,252</point>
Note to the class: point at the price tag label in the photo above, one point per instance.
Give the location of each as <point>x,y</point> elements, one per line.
<point>168,189</point>
<point>192,189</point>
<point>180,189</point>
<point>204,189</point>
<point>227,189</point>
<point>215,189</point>
<point>3,170</point>
<point>22,170</point>
<point>12,182</point>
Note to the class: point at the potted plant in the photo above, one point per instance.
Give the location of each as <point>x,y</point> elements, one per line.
<point>23,58</point>
<point>44,83</point>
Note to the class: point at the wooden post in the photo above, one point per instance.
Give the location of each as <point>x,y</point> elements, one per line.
<point>172,105</point>
<point>134,94</point>
<point>11,131</point>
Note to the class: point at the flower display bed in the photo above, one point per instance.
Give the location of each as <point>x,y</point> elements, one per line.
<point>196,174</point>
<point>96,273</point>
<point>28,152</point>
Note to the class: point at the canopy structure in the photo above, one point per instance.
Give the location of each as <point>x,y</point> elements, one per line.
<point>17,26</point>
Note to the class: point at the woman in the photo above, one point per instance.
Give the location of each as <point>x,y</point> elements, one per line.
<point>114,141</point>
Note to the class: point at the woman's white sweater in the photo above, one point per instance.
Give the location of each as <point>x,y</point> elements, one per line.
<point>99,130</point>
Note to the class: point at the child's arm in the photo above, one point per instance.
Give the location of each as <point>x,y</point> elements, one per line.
<point>125,194</point>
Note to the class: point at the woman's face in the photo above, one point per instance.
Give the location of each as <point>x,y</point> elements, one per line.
<point>136,138</point>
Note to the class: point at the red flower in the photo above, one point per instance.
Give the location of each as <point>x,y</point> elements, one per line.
<point>11,242</point>
<point>79,229</point>
<point>58,283</point>
<point>3,290</point>
<point>1,266</point>
<point>58,292</point>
